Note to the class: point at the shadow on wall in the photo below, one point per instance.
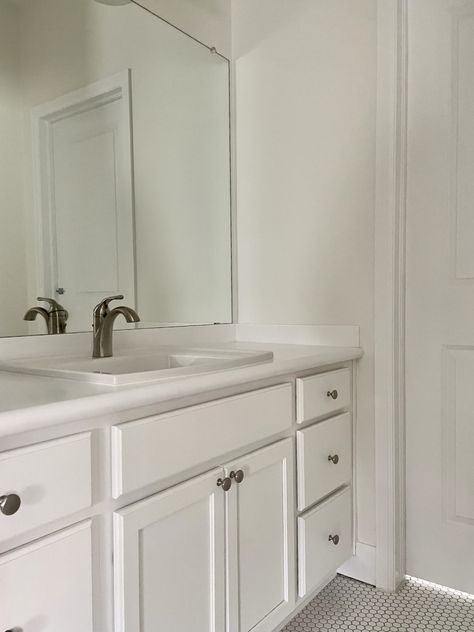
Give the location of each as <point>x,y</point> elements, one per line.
<point>263,20</point>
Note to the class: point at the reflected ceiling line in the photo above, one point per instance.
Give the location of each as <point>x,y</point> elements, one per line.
<point>212,49</point>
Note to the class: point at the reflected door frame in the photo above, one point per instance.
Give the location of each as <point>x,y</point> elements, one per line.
<point>43,117</point>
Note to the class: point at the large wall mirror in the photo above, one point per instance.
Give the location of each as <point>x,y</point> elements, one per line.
<point>114,166</point>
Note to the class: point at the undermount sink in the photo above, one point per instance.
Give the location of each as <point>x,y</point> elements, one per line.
<point>133,367</point>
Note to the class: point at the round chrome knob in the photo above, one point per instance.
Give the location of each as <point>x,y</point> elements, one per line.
<point>334,458</point>
<point>9,504</point>
<point>334,539</point>
<point>334,394</point>
<point>225,483</point>
<point>237,476</point>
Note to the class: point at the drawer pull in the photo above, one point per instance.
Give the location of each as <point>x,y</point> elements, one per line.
<point>9,504</point>
<point>334,539</point>
<point>334,394</point>
<point>334,458</point>
<point>225,483</point>
<point>237,476</point>
<point>15,630</point>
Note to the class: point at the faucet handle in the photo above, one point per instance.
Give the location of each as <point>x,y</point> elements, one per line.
<point>55,306</point>
<point>102,307</point>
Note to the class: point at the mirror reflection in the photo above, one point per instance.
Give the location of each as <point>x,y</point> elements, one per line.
<point>114,168</point>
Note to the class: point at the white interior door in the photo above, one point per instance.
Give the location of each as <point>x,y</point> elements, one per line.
<point>261,540</point>
<point>440,293</point>
<point>87,218</point>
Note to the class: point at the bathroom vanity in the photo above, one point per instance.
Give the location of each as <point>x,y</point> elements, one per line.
<point>206,487</point>
<point>213,502</point>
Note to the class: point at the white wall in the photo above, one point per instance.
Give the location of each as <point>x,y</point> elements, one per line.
<point>306,85</point>
<point>12,241</point>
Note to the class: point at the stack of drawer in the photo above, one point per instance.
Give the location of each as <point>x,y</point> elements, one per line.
<point>46,583</point>
<point>324,457</point>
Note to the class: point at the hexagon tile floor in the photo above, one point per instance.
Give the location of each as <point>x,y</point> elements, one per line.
<point>349,605</point>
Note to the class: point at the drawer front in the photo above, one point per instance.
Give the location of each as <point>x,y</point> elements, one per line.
<point>323,394</point>
<point>152,449</point>
<point>324,459</point>
<point>318,555</point>
<point>52,479</point>
<point>47,585</point>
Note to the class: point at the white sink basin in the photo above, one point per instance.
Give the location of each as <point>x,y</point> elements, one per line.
<point>137,366</point>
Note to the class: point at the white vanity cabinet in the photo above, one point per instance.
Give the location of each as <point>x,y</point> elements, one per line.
<point>222,516</point>
<point>171,550</point>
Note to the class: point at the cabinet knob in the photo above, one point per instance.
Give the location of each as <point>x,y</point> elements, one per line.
<point>334,539</point>
<point>9,504</point>
<point>237,476</point>
<point>334,394</point>
<point>334,458</point>
<point>225,483</point>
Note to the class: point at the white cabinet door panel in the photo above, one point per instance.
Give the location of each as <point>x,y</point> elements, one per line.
<point>33,474</point>
<point>170,560</point>
<point>46,586</point>
<point>318,474</point>
<point>261,540</point>
<point>324,541</point>
<point>155,448</point>
<point>322,394</point>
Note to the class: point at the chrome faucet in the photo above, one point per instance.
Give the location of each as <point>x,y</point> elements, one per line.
<point>103,325</point>
<point>56,316</point>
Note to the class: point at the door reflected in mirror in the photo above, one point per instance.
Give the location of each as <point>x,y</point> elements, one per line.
<point>114,166</point>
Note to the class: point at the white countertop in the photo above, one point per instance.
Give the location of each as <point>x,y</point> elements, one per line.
<point>28,402</point>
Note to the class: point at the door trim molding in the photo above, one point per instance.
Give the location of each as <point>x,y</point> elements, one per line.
<point>390,239</point>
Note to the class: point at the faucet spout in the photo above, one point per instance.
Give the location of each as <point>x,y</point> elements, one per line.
<point>104,325</point>
<point>56,317</point>
<point>33,312</point>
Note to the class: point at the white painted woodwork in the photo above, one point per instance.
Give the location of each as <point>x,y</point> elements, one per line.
<point>53,479</point>
<point>459,434</point>
<point>170,560</point>
<point>85,186</point>
<point>389,304</point>
<point>192,557</point>
<point>463,103</point>
<point>46,586</point>
<point>151,449</point>
<point>317,475</point>
<point>261,540</point>
<point>312,398</point>
<point>318,557</point>
<point>440,294</point>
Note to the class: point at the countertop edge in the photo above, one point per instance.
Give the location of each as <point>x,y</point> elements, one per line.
<point>36,417</point>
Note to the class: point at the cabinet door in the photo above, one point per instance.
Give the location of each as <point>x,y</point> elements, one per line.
<point>170,560</point>
<point>47,585</point>
<point>261,539</point>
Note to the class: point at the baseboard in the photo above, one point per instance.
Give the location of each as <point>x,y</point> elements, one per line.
<point>362,565</point>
